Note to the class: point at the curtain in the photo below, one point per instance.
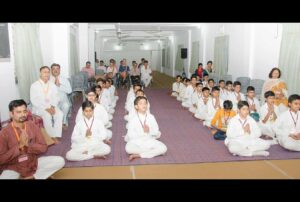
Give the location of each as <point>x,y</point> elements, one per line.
<point>163,57</point>
<point>74,64</point>
<point>28,56</point>
<point>221,55</point>
<point>179,61</point>
<point>195,57</point>
<point>289,56</point>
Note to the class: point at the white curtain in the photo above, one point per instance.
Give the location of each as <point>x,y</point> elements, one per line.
<point>289,57</point>
<point>28,56</point>
<point>221,55</point>
<point>74,64</point>
<point>179,61</point>
<point>195,57</point>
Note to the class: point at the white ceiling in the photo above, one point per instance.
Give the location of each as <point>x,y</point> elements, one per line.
<point>140,31</point>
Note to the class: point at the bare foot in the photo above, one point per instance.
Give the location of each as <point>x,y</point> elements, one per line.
<point>107,142</point>
<point>56,141</point>
<point>100,157</point>
<point>134,156</point>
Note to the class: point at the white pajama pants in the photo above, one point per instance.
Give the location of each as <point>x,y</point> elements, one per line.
<point>46,167</point>
<point>150,149</point>
<point>255,147</point>
<point>289,143</point>
<point>55,131</point>
<point>76,154</point>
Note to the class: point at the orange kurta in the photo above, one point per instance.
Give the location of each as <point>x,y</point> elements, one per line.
<point>220,115</point>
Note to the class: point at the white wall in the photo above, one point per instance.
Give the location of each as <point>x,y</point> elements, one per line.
<point>83,44</point>
<point>54,38</point>
<point>9,90</point>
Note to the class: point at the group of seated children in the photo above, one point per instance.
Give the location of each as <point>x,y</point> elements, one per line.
<point>247,127</point>
<point>142,128</point>
<point>91,136</point>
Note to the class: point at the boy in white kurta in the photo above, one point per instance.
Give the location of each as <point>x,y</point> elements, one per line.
<point>146,74</point>
<point>182,89</point>
<point>130,102</point>
<point>196,96</point>
<point>213,105</point>
<point>176,86</point>
<point>253,102</point>
<point>105,98</point>
<point>243,134</point>
<point>268,114</point>
<point>44,99</point>
<point>64,88</point>
<point>287,126</point>
<point>143,133</point>
<point>99,111</point>
<point>88,137</point>
<point>228,90</point>
<point>201,111</point>
<point>187,101</point>
<point>236,95</point>
<point>223,94</point>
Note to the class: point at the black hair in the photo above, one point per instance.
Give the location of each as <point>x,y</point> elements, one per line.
<point>242,103</point>
<point>215,88</point>
<point>250,88</point>
<point>227,104</point>
<point>200,64</point>
<point>271,72</point>
<point>145,61</point>
<point>88,62</point>
<point>221,81</point>
<point>44,67</point>
<point>187,80</point>
<point>237,83</point>
<point>228,83</point>
<point>209,62</point>
<point>178,76</point>
<point>137,99</point>
<point>102,61</point>
<point>211,80</point>
<point>101,79</point>
<point>204,89</point>
<point>137,84</point>
<point>193,77</point>
<point>89,90</point>
<point>198,84</point>
<point>140,90</point>
<point>55,64</point>
<point>16,103</point>
<point>294,97</point>
<point>269,94</point>
<point>86,104</point>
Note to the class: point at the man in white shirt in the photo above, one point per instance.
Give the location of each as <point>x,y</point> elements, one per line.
<point>146,73</point>
<point>64,88</point>
<point>45,98</point>
<point>236,95</point>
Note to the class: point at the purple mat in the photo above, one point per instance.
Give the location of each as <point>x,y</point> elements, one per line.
<point>188,141</point>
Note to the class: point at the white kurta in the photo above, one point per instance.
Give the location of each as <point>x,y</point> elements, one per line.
<point>285,126</point>
<point>175,89</point>
<point>99,112</point>
<point>63,90</point>
<point>94,145</point>
<point>187,99</point>
<point>146,77</point>
<point>267,128</point>
<point>47,165</point>
<point>181,92</point>
<point>201,111</point>
<point>112,90</point>
<point>105,100</point>
<point>144,144</point>
<point>253,101</point>
<point>211,110</point>
<point>129,94</point>
<point>195,97</point>
<point>243,144</point>
<point>224,94</point>
<point>233,98</point>
<point>41,99</point>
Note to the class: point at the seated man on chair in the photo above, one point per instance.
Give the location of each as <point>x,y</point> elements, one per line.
<point>123,70</point>
<point>21,142</point>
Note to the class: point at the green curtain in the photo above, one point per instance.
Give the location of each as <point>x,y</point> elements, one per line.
<point>179,66</point>
<point>289,57</point>
<point>195,56</point>
<point>28,56</point>
<point>221,55</point>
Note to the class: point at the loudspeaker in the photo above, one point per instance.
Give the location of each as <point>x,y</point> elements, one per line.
<point>184,53</point>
